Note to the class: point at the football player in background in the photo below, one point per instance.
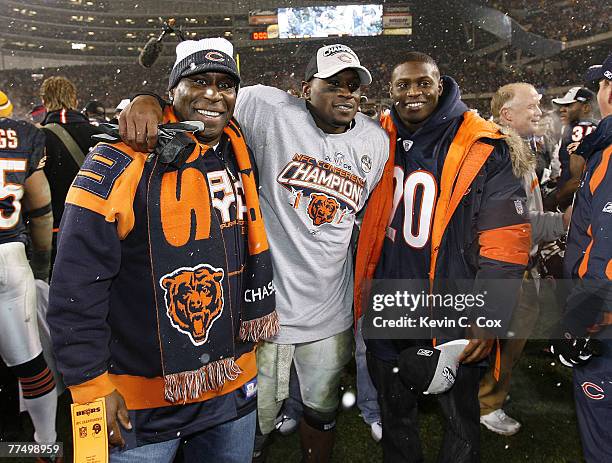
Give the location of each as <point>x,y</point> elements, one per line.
<point>576,113</point>
<point>25,207</point>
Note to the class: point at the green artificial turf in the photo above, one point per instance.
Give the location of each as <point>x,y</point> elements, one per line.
<point>541,399</point>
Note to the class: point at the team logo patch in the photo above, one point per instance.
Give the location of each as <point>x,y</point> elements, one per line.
<point>448,375</point>
<point>214,56</point>
<point>518,205</point>
<point>425,352</point>
<point>250,389</point>
<point>593,391</point>
<point>338,159</point>
<point>607,208</point>
<point>407,144</point>
<point>194,300</point>
<point>322,208</point>
<point>366,163</point>
<point>345,58</point>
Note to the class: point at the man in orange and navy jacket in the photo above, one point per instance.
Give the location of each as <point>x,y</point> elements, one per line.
<point>151,305</point>
<point>586,326</point>
<point>450,174</point>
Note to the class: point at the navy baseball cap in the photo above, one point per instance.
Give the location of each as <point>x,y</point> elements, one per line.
<point>600,71</point>
<point>431,370</point>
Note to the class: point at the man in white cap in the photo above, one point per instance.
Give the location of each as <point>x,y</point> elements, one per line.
<point>576,113</point>
<point>318,160</point>
<point>151,305</point>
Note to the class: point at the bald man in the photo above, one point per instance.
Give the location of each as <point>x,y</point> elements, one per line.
<point>516,106</point>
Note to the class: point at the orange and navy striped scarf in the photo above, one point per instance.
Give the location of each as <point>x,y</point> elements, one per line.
<point>191,277</point>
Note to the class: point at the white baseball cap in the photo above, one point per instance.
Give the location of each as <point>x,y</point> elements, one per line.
<point>574,94</point>
<point>331,59</point>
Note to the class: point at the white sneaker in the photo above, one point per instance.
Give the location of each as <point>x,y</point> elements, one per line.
<point>500,423</point>
<point>376,430</point>
<point>285,424</point>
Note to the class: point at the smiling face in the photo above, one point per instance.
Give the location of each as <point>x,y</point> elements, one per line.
<point>209,97</point>
<point>333,102</point>
<point>523,113</point>
<point>415,89</point>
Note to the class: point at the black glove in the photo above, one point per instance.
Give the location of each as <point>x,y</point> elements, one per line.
<point>41,264</point>
<point>572,351</point>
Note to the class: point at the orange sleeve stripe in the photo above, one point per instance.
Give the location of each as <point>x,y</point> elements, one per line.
<point>102,159</point>
<point>584,264</point>
<point>609,270</point>
<point>507,244</point>
<point>91,175</point>
<point>600,170</point>
<point>93,389</point>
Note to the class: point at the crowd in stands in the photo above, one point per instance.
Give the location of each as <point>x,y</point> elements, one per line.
<point>109,84</point>
<point>573,19</point>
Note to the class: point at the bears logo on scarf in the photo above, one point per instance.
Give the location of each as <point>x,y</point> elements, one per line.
<point>194,300</point>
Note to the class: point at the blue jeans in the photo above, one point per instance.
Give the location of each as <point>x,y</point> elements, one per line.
<point>367,397</point>
<point>160,452</point>
<point>230,442</point>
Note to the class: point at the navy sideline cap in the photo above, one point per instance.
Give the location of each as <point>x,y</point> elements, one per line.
<point>600,71</point>
<point>431,370</point>
<point>206,55</point>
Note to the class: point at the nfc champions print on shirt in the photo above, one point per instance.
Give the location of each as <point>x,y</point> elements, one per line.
<point>312,186</point>
<point>326,191</point>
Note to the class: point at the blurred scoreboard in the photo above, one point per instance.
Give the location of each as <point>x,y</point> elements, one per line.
<point>331,21</point>
<point>397,20</point>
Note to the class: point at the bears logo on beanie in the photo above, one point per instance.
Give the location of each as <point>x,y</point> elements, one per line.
<point>206,55</point>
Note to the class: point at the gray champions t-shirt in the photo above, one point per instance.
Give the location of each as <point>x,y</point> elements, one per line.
<point>312,185</point>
